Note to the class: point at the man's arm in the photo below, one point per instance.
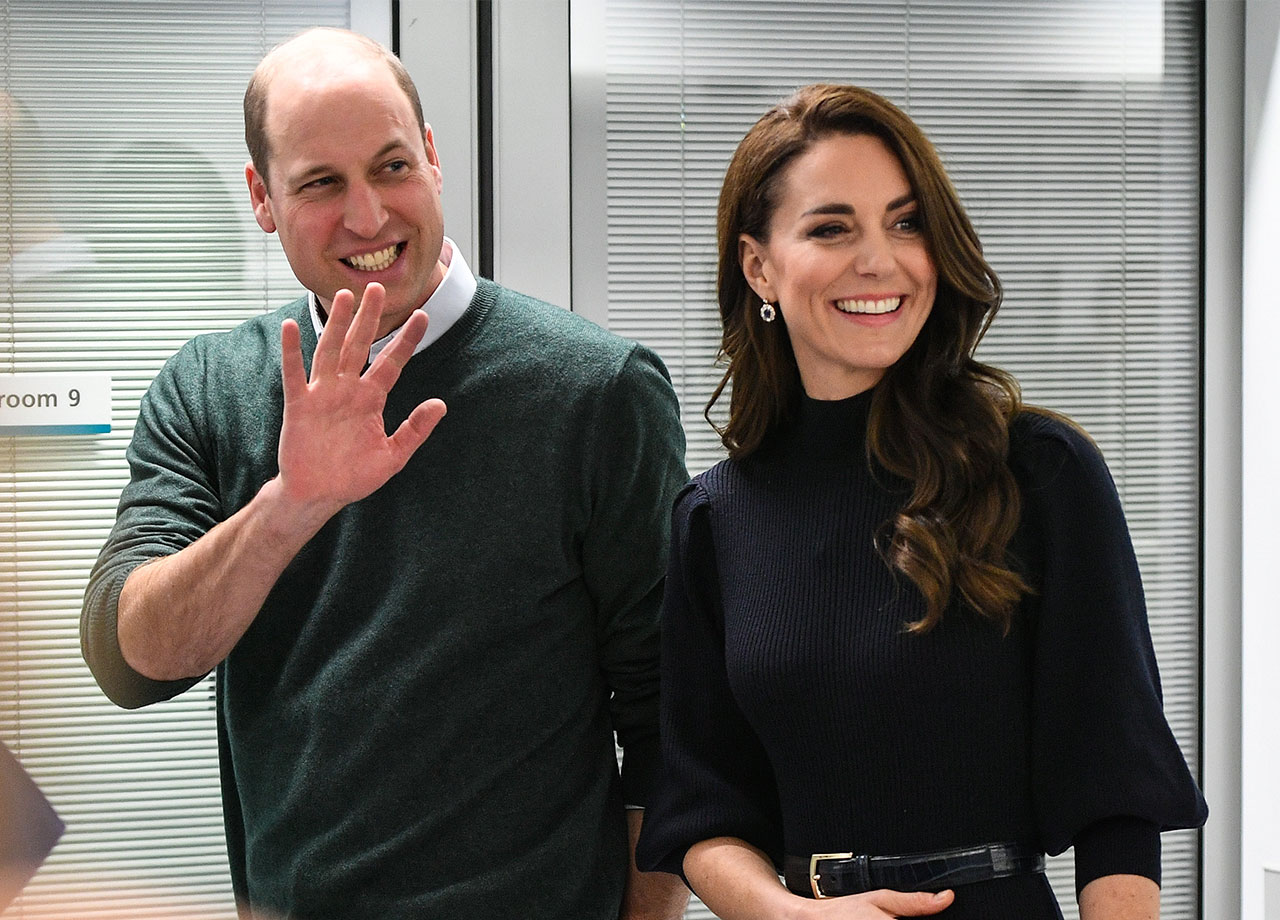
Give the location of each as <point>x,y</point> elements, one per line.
<point>638,467</point>
<point>636,462</point>
<point>180,615</point>
<point>650,895</point>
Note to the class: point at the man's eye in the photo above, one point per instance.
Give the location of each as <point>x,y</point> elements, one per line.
<point>322,182</point>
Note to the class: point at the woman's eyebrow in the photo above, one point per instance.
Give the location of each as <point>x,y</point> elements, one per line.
<point>845,209</point>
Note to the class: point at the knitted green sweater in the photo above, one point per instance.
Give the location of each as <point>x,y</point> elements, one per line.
<point>420,721</point>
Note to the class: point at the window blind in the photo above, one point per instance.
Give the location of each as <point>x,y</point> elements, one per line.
<point>1072,131</point>
<point>125,231</point>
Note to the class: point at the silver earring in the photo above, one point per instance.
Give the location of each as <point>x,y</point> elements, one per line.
<point>767,312</point>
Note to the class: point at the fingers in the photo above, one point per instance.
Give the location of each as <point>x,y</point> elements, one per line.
<point>292,373</point>
<point>349,332</point>
<point>910,903</point>
<point>364,329</point>
<point>415,430</point>
<point>329,348</point>
<point>386,368</point>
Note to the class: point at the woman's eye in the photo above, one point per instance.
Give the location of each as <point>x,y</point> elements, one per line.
<point>827,230</point>
<point>909,224</point>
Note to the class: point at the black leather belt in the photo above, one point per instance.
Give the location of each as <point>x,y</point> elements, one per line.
<point>831,875</point>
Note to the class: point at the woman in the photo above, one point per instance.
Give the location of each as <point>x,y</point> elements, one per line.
<point>903,622</point>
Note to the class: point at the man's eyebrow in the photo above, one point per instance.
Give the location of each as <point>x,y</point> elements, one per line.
<point>311,172</point>
<point>389,147</point>
<point>324,169</point>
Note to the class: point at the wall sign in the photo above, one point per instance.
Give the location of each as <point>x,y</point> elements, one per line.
<point>43,404</point>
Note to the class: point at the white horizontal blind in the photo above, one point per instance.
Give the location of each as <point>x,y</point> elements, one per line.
<point>129,156</point>
<point>1072,130</point>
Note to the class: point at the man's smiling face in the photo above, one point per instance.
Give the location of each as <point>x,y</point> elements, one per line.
<point>353,186</point>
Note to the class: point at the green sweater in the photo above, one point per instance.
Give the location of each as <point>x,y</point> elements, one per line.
<point>420,721</point>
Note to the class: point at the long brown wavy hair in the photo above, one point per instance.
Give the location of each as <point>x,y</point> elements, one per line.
<point>939,419</point>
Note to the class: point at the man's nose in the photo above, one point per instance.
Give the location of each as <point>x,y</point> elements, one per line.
<point>364,214</point>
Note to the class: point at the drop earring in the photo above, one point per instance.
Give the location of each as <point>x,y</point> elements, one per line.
<point>767,312</point>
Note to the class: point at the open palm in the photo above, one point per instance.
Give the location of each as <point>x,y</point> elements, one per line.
<point>334,448</point>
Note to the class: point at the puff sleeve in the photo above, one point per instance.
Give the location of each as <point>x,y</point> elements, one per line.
<point>715,778</point>
<point>1107,771</point>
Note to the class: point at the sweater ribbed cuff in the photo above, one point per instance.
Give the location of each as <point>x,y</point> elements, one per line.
<point>1117,846</point>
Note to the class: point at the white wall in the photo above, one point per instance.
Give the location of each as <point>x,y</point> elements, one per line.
<point>438,41</point>
<point>1221,645</point>
<point>1260,444</point>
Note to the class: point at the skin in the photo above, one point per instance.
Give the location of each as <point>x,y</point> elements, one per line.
<point>352,175</point>
<point>180,615</point>
<point>845,228</point>
<point>1120,897</point>
<point>738,882</point>
<point>649,895</point>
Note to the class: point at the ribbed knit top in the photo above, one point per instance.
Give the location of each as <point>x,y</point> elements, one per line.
<point>800,716</point>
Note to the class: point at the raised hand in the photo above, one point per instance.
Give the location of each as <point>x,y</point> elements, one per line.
<point>334,449</point>
<point>179,615</point>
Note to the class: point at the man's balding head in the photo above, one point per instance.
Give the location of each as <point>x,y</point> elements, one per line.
<point>303,50</point>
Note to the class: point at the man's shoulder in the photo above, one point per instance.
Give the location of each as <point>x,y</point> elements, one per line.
<point>550,327</point>
<point>236,360</point>
<point>256,336</point>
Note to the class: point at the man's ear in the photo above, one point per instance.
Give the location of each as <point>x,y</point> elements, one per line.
<point>433,158</point>
<point>754,259</point>
<point>260,197</point>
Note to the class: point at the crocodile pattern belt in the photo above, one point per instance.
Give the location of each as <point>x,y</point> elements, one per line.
<point>831,875</point>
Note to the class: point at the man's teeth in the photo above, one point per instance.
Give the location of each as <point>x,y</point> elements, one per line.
<point>887,305</point>
<point>374,261</point>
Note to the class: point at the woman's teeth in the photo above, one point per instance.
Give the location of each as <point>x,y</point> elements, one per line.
<point>887,305</point>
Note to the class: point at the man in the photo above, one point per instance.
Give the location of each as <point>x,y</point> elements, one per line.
<point>423,647</point>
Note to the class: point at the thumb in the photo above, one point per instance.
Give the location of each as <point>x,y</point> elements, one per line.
<point>414,430</point>
<point>911,903</point>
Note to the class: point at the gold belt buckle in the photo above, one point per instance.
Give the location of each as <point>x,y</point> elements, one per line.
<point>814,875</point>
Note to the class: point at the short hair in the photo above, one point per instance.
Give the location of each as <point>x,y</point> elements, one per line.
<point>255,95</point>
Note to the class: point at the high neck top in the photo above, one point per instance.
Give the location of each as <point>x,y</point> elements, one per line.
<point>826,432</point>
<point>800,715</point>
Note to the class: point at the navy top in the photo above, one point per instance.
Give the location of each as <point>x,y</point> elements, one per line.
<point>799,715</point>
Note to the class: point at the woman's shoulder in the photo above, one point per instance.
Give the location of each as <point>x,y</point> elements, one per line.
<point>1046,446</point>
<point>716,478</point>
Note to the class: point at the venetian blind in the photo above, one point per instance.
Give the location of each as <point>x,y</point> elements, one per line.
<point>124,231</point>
<point>1072,130</point>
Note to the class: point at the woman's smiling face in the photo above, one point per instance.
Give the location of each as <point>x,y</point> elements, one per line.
<point>846,263</point>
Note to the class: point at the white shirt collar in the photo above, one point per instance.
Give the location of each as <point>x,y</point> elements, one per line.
<point>444,307</point>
